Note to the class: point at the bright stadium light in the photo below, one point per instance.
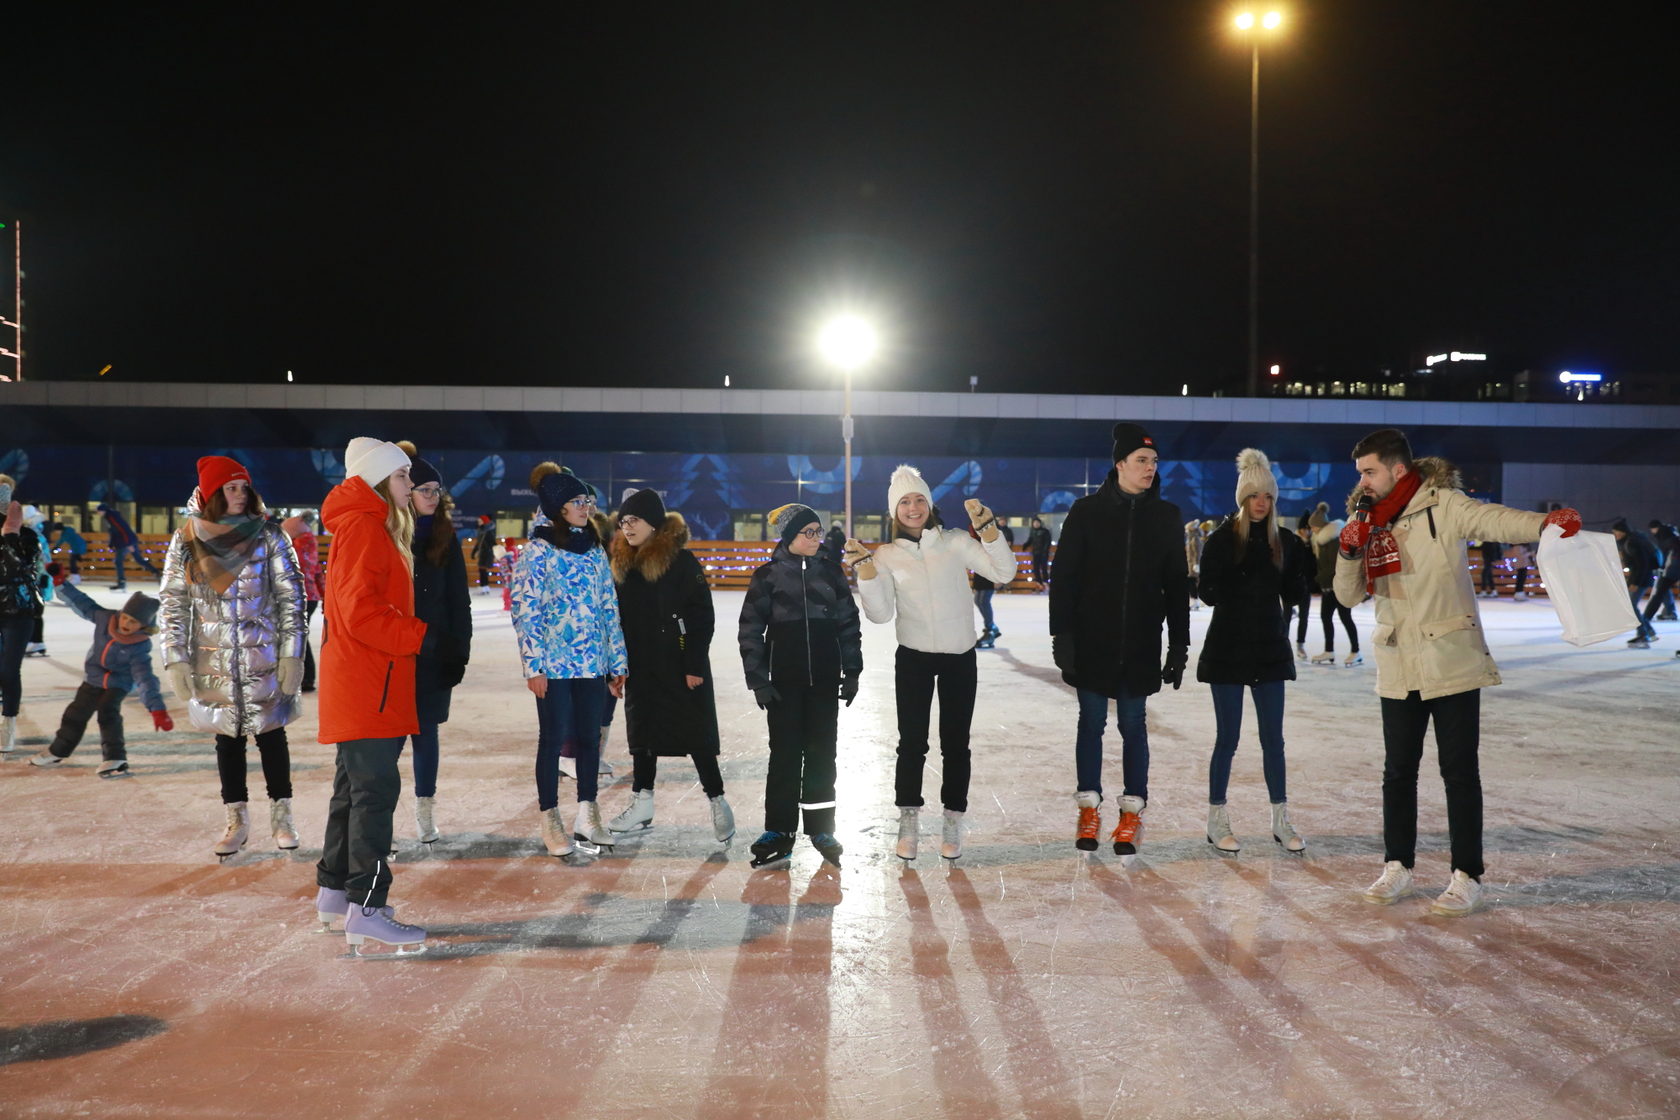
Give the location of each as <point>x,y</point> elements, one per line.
<point>848,342</point>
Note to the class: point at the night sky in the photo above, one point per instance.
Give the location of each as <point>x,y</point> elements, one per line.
<point>1051,196</point>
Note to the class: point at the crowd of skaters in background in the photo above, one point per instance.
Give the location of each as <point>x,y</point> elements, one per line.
<point>608,608</point>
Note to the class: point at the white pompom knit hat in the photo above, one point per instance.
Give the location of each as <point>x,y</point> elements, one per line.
<point>373,460</point>
<point>906,480</point>
<point>1254,475</point>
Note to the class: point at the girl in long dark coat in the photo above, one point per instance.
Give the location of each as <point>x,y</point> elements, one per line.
<point>1250,567</point>
<point>665,608</point>
<point>441,602</point>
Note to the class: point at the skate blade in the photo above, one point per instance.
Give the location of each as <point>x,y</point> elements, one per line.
<point>635,831</point>
<point>412,949</point>
<point>326,921</point>
<point>774,862</point>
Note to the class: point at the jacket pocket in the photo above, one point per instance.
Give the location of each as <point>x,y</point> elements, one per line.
<point>1444,626</point>
<point>1453,651</point>
<point>385,693</point>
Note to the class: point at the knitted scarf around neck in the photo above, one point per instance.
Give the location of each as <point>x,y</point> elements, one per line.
<point>221,549</point>
<point>1382,551</point>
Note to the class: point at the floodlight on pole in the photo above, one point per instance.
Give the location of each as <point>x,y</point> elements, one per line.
<point>1246,22</point>
<point>848,343</point>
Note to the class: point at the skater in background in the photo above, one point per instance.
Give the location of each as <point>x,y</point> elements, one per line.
<point>367,704</point>
<point>301,530</point>
<point>1295,611</point>
<point>1492,553</point>
<point>1639,563</point>
<point>835,543</point>
<point>1668,573</point>
<point>1408,551</point>
<point>1038,544</point>
<point>571,648</point>
<point>920,578</point>
<point>125,542</point>
<point>71,543</point>
<point>1251,566</point>
<point>802,650</point>
<point>20,599</point>
<point>1520,557</point>
<point>440,601</point>
<point>670,706</point>
<point>1325,542</point>
<point>119,662</point>
<point>484,552</point>
<point>1120,574</point>
<point>233,635</point>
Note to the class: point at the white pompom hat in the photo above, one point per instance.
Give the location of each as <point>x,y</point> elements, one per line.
<point>373,460</point>
<point>1254,475</point>
<point>906,480</point>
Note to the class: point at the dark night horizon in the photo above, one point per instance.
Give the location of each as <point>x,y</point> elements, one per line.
<point>1053,198</point>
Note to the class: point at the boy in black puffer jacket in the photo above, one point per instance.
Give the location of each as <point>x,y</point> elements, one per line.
<point>802,649</point>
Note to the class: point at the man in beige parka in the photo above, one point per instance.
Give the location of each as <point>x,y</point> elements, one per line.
<point>1406,547</point>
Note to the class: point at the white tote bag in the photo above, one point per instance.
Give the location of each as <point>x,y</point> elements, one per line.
<point>1584,580</point>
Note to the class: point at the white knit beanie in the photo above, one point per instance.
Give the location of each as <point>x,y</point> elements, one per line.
<point>373,460</point>
<point>906,480</point>
<point>1254,475</point>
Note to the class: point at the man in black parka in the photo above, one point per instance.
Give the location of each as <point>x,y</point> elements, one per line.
<point>1119,574</point>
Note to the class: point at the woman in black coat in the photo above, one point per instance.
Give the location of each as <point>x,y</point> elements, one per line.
<point>665,608</point>
<point>441,602</point>
<point>1250,567</point>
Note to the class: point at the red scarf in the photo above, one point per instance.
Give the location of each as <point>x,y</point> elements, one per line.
<point>1382,551</point>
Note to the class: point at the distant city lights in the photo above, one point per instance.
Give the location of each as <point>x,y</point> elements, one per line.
<point>1567,378</point>
<point>1454,356</point>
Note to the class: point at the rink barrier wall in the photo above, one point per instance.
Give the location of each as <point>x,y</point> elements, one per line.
<point>728,565</point>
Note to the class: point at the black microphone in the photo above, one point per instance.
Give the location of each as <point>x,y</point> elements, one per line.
<point>1361,512</point>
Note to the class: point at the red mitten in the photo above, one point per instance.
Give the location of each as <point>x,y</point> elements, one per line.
<point>1354,536</point>
<point>162,722</point>
<point>1566,519</point>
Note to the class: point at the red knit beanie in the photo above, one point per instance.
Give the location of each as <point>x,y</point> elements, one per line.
<point>216,471</point>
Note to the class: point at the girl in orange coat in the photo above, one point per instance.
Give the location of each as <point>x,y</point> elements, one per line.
<point>367,703</point>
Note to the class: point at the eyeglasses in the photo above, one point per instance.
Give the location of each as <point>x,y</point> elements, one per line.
<point>811,534</point>
<point>629,522</point>
<point>431,490</point>
<point>582,503</point>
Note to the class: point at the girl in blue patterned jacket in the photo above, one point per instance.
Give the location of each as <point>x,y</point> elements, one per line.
<point>565,614</point>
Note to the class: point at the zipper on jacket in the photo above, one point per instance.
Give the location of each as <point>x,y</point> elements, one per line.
<point>385,692</point>
<point>805,608</point>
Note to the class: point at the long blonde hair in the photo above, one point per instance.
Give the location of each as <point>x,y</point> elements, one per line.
<point>1239,525</point>
<point>399,522</point>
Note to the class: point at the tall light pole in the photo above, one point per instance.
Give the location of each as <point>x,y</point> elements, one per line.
<point>17,292</point>
<point>848,343</point>
<point>1251,25</point>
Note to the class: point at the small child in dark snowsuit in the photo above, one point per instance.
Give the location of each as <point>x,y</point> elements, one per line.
<point>802,649</point>
<point>119,662</point>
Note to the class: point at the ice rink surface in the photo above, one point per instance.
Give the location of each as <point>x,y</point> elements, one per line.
<point>667,979</point>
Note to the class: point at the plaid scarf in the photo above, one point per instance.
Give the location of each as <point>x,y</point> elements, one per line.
<point>1382,551</point>
<point>220,550</point>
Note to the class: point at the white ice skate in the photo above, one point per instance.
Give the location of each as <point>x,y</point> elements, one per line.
<point>1325,658</point>
<point>951,842</point>
<point>589,834</point>
<point>1219,832</point>
<point>723,820</point>
<point>1284,832</point>
<point>637,816</point>
<point>423,823</point>
<point>280,824</point>
<point>556,839</point>
<point>909,842</point>
<point>8,734</point>
<point>114,768</point>
<point>1354,658</point>
<point>238,830</point>
<point>45,758</point>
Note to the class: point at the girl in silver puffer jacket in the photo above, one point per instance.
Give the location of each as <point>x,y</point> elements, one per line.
<point>232,623</point>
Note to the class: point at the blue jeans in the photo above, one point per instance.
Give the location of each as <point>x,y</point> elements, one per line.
<point>983,601</point>
<point>1133,723</point>
<point>1227,718</point>
<point>571,709</point>
<point>139,558</point>
<point>425,760</point>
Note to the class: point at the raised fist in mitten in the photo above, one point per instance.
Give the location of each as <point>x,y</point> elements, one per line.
<point>860,558</point>
<point>1566,519</point>
<point>162,722</point>
<point>1354,536</point>
<point>983,520</point>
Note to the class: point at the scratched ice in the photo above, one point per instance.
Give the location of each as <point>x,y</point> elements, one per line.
<point>668,980</point>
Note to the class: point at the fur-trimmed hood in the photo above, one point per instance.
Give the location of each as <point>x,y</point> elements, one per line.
<point>1438,474</point>
<point>652,559</point>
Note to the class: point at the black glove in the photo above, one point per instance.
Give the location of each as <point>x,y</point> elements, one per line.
<point>1061,652</point>
<point>451,672</point>
<point>1173,671</point>
<point>848,689</point>
<point>767,696</point>
<point>441,645</point>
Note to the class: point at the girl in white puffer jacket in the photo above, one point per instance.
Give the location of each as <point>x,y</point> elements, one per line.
<point>921,576</point>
